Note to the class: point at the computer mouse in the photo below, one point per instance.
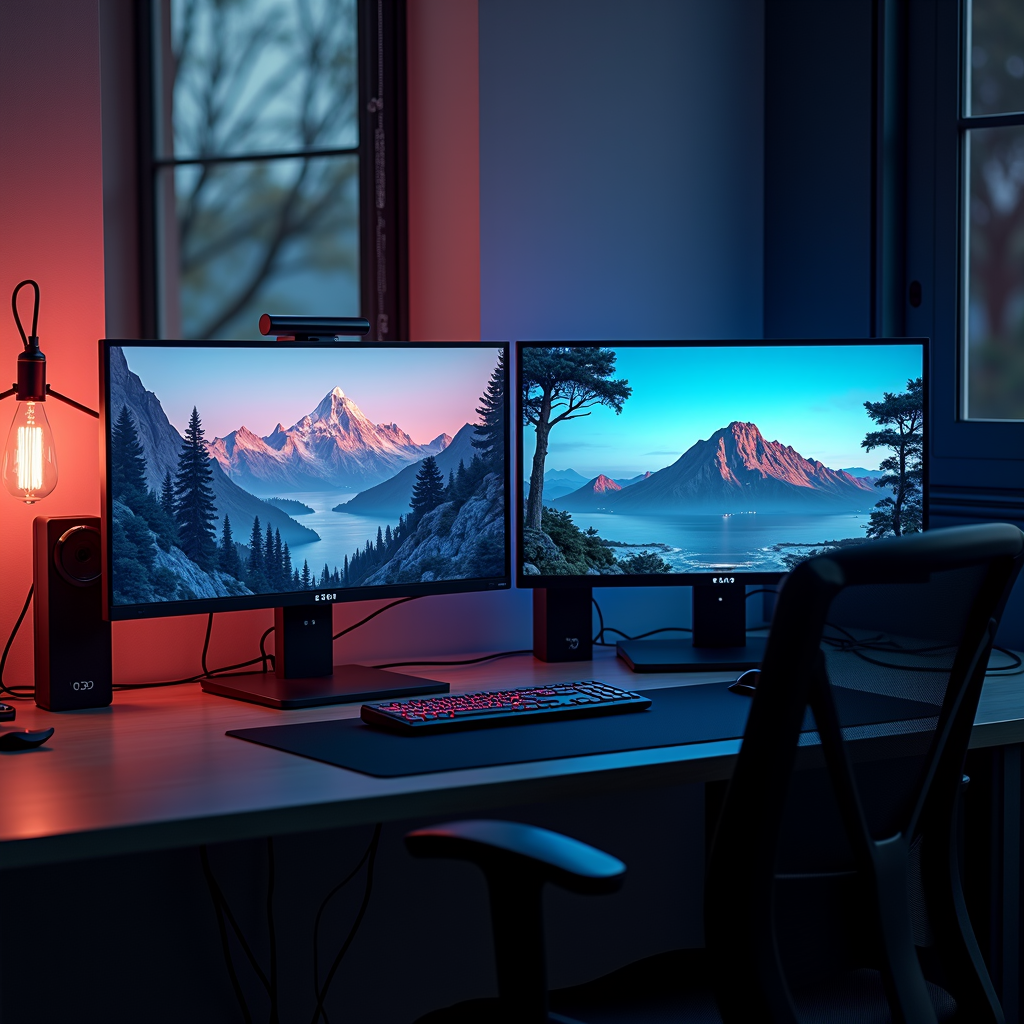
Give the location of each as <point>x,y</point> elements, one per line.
<point>24,739</point>
<point>746,682</point>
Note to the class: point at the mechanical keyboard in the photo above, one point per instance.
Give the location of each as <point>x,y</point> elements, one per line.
<point>502,707</point>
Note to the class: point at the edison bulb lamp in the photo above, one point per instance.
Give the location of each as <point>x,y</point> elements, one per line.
<point>29,458</point>
<point>30,461</point>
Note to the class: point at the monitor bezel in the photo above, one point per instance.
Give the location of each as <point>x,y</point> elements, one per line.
<point>688,579</point>
<point>120,612</point>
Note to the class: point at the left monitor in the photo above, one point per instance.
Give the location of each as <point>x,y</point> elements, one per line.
<point>292,475</point>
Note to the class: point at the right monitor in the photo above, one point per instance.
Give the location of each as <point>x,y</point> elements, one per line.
<point>712,464</point>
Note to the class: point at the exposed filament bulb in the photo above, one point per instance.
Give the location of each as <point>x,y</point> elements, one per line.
<point>30,461</point>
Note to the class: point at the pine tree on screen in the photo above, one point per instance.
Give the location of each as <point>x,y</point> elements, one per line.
<point>287,572</point>
<point>194,508</point>
<point>901,418</point>
<point>489,434</point>
<point>562,383</point>
<point>269,565</point>
<point>428,491</point>
<point>167,495</point>
<point>255,572</point>
<point>228,554</point>
<point>127,459</point>
<point>281,578</point>
<point>304,578</point>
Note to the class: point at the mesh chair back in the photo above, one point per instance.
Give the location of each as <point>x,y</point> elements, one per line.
<point>820,836</point>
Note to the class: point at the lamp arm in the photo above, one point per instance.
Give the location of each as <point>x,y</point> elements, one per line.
<point>8,392</point>
<point>68,401</point>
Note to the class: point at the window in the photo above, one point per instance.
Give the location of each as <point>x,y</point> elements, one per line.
<point>273,164</point>
<point>992,248</point>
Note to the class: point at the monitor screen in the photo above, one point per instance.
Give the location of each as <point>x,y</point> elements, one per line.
<point>265,474</point>
<point>646,463</point>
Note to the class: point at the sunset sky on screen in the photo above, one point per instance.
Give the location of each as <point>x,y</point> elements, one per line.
<point>425,391</point>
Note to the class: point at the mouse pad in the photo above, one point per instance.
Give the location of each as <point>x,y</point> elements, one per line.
<point>678,714</point>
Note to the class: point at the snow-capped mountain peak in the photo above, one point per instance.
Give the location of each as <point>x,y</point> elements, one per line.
<point>334,446</point>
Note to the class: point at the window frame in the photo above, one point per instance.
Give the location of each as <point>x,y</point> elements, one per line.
<point>381,152</point>
<point>936,237</point>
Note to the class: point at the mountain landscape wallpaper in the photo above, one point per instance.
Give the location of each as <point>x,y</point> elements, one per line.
<point>391,471</point>
<point>691,459</point>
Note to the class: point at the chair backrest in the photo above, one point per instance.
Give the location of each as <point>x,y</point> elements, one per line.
<point>855,634</point>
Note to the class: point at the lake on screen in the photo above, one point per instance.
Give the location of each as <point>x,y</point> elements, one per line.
<point>742,541</point>
<point>340,533</point>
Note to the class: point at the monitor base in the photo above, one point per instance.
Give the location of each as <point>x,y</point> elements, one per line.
<point>682,656</point>
<point>348,684</point>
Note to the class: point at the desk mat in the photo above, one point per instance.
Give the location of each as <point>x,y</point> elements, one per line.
<point>678,714</point>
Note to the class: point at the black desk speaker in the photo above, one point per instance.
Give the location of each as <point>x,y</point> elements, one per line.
<point>73,653</point>
<point>563,621</point>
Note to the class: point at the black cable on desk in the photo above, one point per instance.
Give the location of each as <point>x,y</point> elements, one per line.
<point>599,640</point>
<point>322,993</point>
<point>4,688</point>
<point>373,615</point>
<point>462,661</point>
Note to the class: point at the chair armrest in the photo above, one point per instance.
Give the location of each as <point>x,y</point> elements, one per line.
<point>492,845</point>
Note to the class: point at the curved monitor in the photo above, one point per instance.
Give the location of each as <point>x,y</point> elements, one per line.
<point>713,462</point>
<point>276,474</point>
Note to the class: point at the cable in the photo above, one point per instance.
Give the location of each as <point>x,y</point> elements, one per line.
<point>1014,668</point>
<point>599,640</point>
<point>206,643</point>
<point>463,661</point>
<point>208,673</point>
<point>323,906</point>
<point>272,931</point>
<point>322,993</point>
<point>263,650</point>
<point>4,688</point>
<point>35,311</point>
<point>217,896</point>
<point>373,615</point>
<point>763,590</point>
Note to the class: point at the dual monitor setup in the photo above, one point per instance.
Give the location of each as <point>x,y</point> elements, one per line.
<point>297,474</point>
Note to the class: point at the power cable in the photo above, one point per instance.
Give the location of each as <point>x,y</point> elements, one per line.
<point>322,994</point>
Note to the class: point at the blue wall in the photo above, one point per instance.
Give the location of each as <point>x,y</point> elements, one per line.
<point>621,183</point>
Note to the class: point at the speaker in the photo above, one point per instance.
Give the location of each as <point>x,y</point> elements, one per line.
<point>563,621</point>
<point>73,651</point>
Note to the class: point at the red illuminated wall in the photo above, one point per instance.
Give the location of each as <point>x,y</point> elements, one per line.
<point>444,170</point>
<point>51,229</point>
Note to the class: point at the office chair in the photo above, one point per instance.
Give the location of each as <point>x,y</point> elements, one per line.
<point>833,892</point>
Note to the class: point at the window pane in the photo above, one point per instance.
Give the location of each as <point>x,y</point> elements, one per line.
<point>261,76</point>
<point>994,323</point>
<point>996,60</point>
<point>262,236</point>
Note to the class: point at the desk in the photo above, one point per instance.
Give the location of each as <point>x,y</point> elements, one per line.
<point>155,771</point>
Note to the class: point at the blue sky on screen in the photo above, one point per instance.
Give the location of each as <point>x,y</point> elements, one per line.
<point>811,398</point>
<point>425,391</point>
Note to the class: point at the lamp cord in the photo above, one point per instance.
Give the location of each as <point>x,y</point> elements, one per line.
<point>4,688</point>
<point>35,310</point>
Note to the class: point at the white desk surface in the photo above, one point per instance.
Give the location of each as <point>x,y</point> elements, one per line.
<point>155,770</point>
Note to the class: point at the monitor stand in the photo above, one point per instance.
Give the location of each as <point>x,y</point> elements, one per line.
<point>305,675</point>
<point>719,640</point>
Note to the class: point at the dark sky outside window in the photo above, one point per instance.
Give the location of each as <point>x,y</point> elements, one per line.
<point>994,212</point>
<point>274,80</point>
